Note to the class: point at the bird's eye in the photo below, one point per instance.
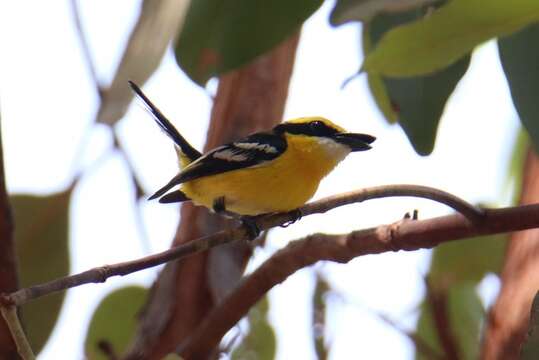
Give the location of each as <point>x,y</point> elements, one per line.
<point>319,128</point>
<point>317,125</point>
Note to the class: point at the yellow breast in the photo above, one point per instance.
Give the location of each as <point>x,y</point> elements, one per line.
<point>282,184</point>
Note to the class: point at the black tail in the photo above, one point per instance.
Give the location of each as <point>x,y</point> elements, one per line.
<point>174,197</point>
<point>176,180</point>
<point>166,126</point>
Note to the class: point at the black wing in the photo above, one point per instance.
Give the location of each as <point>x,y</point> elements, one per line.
<point>251,151</point>
<point>166,125</point>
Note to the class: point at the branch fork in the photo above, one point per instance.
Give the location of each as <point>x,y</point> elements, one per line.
<point>405,234</point>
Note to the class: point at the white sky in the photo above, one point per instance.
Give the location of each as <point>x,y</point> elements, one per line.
<point>48,101</point>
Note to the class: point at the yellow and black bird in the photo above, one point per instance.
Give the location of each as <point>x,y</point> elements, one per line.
<point>274,171</point>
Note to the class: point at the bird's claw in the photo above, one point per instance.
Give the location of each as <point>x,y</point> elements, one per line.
<point>297,215</point>
<point>251,226</point>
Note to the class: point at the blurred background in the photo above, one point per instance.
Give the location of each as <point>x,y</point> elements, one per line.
<point>57,54</point>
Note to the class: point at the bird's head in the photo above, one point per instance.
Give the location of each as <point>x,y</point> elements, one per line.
<point>317,127</point>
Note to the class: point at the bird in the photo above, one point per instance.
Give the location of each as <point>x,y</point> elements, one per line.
<point>266,172</point>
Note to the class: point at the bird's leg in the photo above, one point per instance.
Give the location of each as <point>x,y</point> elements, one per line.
<point>248,222</point>
<point>219,207</point>
<point>296,216</point>
<point>251,226</point>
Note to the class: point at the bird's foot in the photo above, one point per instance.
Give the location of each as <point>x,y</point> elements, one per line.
<point>296,216</point>
<point>248,221</point>
<point>219,205</point>
<point>251,226</point>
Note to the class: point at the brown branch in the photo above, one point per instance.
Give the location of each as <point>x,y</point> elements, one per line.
<point>473,213</point>
<point>8,260</point>
<point>185,292</point>
<point>404,235</point>
<point>23,347</point>
<point>507,321</point>
<point>101,274</point>
<point>438,301</point>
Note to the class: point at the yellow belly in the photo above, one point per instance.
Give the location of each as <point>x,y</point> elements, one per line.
<point>285,184</point>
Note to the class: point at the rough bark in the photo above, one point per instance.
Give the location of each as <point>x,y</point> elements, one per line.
<point>247,100</point>
<point>508,319</point>
<point>8,264</point>
<point>405,234</point>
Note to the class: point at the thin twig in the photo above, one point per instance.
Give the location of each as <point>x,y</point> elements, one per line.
<point>139,191</point>
<point>9,313</point>
<point>87,56</point>
<point>421,345</point>
<point>473,213</point>
<point>101,274</point>
<point>438,301</point>
<point>404,235</point>
<point>85,47</point>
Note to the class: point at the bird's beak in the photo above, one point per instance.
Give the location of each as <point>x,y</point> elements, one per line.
<point>356,142</point>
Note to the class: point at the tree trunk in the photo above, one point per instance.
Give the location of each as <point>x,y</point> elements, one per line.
<point>8,264</point>
<point>248,100</point>
<point>508,319</point>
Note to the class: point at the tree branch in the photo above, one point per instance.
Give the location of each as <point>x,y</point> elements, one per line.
<point>438,301</point>
<point>8,259</point>
<point>23,347</point>
<point>507,321</point>
<point>185,292</point>
<point>471,212</point>
<point>87,55</point>
<point>101,274</point>
<point>403,235</point>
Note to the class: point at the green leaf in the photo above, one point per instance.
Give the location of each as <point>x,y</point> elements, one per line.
<point>443,37</point>
<point>464,312</point>
<point>365,10</point>
<point>381,97</point>
<point>41,238</point>
<point>466,260</point>
<point>421,102</point>
<point>530,349</point>
<point>376,84</point>
<point>519,54</point>
<point>260,343</point>
<point>157,25</point>
<point>319,317</point>
<point>418,102</point>
<point>114,321</point>
<point>220,35</point>
<point>516,164</point>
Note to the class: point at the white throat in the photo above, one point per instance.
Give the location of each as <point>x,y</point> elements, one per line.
<point>333,149</point>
